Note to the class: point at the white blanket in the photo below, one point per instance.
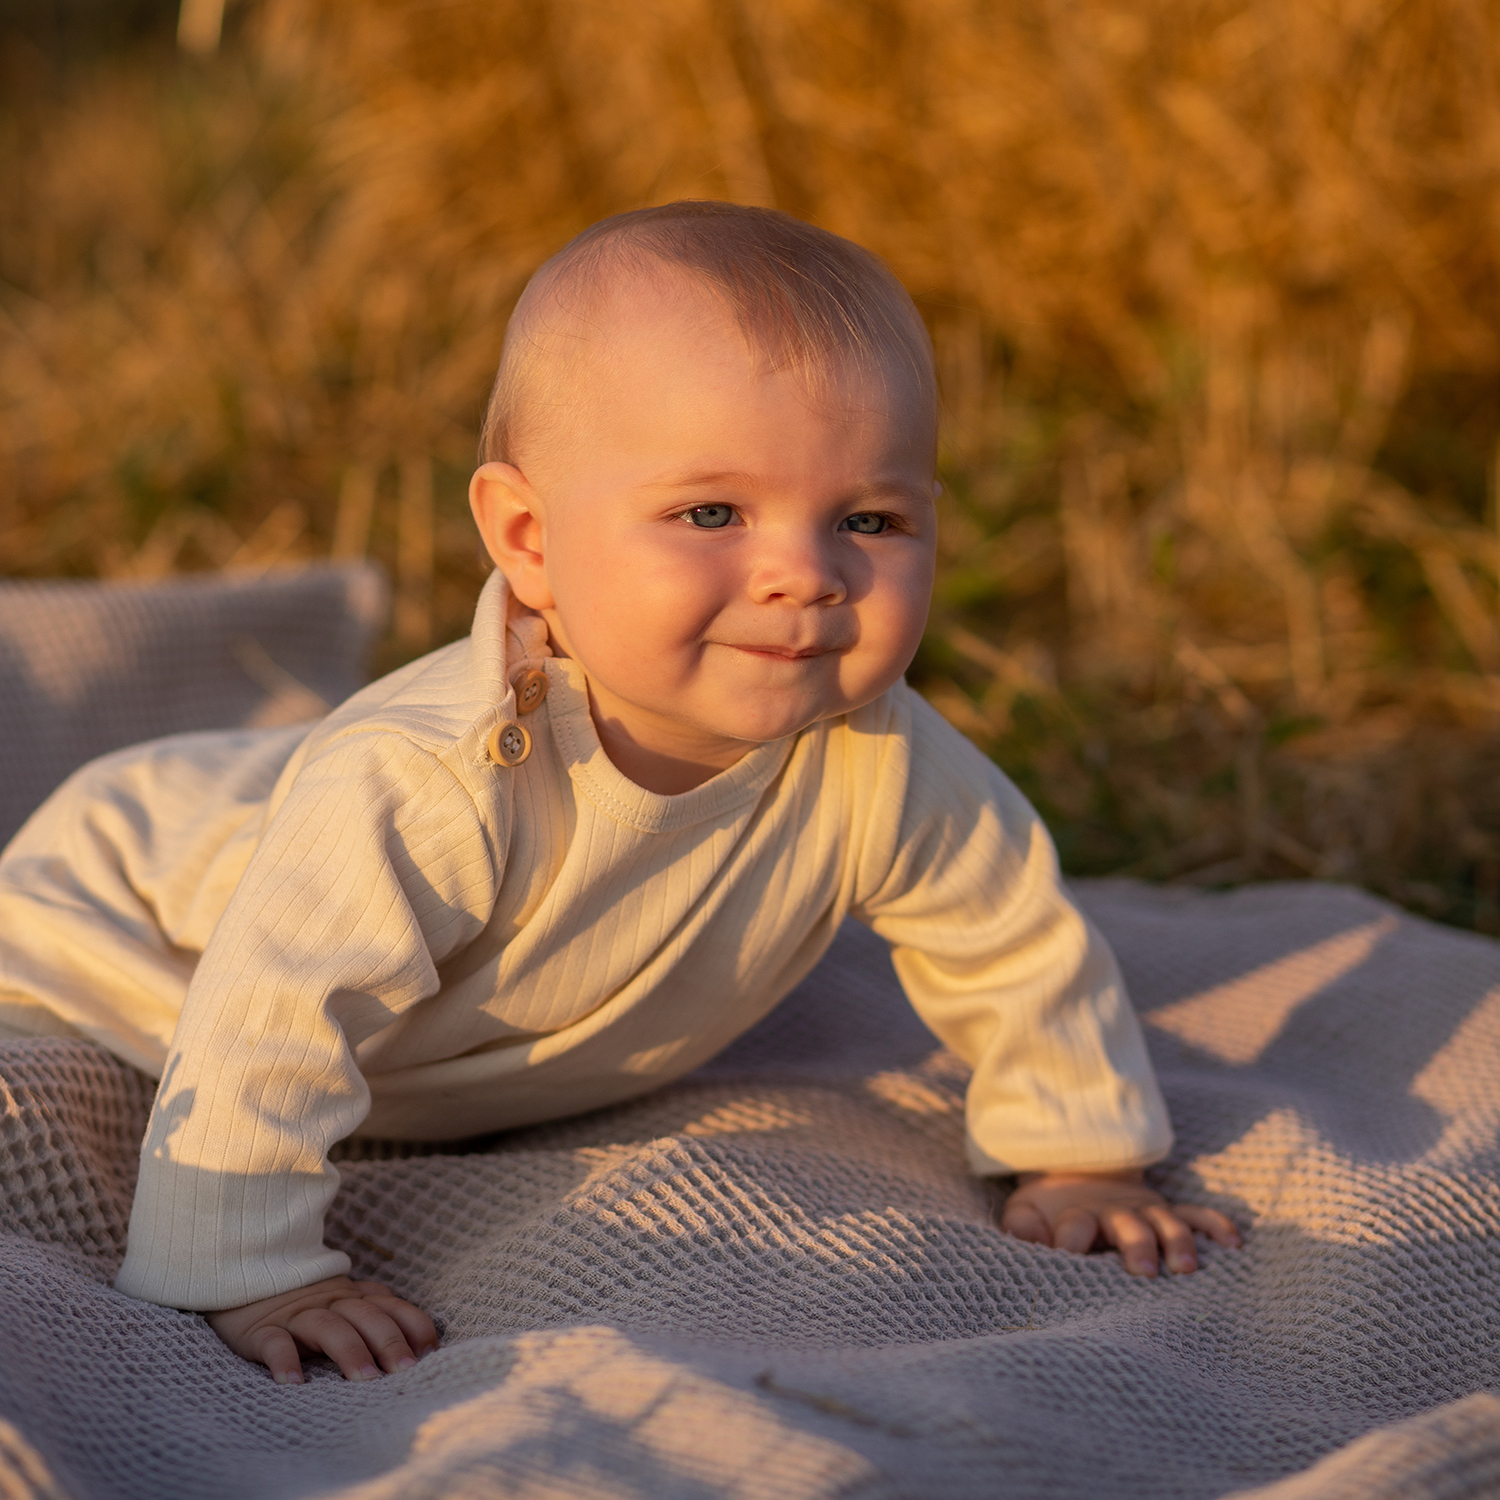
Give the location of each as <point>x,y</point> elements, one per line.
<point>775,1279</point>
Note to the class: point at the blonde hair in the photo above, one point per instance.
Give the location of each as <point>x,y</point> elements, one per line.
<point>804,299</point>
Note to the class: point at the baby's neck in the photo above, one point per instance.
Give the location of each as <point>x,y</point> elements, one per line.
<point>655,770</point>
<point>669,764</point>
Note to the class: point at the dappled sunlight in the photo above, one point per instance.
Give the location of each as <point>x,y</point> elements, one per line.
<point>1236,1021</point>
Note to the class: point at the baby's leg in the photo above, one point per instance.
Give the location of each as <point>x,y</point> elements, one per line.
<point>110,888</point>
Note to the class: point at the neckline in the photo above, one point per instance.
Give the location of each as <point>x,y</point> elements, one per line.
<point>615,794</point>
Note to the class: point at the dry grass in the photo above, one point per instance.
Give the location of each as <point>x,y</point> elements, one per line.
<point>1214,288</point>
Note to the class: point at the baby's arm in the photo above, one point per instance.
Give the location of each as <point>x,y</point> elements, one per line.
<point>359,889</point>
<point>362,1326</point>
<point>1006,971</point>
<point>1078,1210</point>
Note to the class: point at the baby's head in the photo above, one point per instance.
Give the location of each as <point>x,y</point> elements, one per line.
<point>708,464</point>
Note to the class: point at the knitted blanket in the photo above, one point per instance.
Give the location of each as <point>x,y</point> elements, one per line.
<point>775,1280</point>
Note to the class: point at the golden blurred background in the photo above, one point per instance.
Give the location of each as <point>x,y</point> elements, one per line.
<point>1214,286</point>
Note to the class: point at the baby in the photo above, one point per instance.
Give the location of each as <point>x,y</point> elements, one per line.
<point>567,859</point>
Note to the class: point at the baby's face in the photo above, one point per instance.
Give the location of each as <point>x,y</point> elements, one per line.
<point>729,561</point>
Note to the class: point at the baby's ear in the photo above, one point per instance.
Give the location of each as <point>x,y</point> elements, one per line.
<point>508,515</point>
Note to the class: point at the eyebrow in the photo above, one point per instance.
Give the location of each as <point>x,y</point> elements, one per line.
<point>691,478</point>
<point>875,489</point>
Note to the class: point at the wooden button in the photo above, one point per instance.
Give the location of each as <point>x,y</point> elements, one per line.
<point>508,744</point>
<point>531,689</point>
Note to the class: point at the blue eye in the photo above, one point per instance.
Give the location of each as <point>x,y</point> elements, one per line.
<point>709,517</point>
<point>865,523</point>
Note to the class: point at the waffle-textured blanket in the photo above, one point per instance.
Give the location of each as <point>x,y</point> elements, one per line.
<point>775,1280</point>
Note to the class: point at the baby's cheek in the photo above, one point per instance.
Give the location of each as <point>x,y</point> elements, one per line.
<point>885,651</point>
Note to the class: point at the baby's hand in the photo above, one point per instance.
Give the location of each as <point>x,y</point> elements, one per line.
<point>1076,1210</point>
<point>355,1323</point>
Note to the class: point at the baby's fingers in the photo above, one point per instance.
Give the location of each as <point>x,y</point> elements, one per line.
<point>1178,1249</point>
<point>1026,1222</point>
<point>1076,1229</point>
<point>421,1333</point>
<point>1133,1237</point>
<point>276,1349</point>
<point>331,1333</point>
<point>382,1334</point>
<point>1218,1227</point>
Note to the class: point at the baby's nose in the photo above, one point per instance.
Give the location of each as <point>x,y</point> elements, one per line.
<point>802,573</point>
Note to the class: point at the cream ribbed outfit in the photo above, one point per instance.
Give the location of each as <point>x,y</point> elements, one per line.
<point>374,928</point>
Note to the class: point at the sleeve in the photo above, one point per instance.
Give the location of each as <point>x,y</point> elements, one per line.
<point>1008,973</point>
<point>375,869</point>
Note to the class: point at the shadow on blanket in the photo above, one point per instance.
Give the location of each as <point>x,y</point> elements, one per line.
<point>774,1278</point>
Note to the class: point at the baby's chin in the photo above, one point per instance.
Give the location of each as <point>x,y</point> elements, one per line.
<point>753,723</point>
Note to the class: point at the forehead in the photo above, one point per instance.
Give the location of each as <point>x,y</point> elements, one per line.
<point>617,300</point>
<point>658,338</point>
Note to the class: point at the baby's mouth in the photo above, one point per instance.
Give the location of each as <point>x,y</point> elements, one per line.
<point>785,653</point>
